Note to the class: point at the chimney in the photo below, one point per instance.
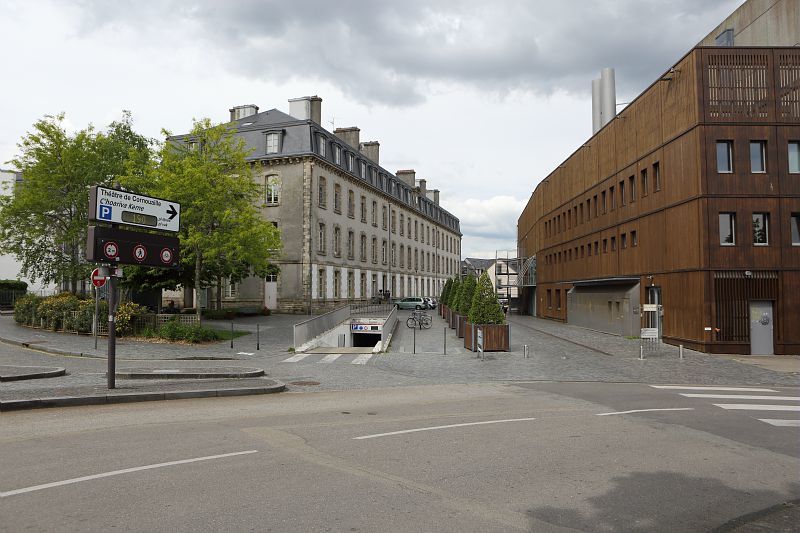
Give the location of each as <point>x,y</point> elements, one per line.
<point>596,118</point>
<point>242,111</point>
<point>348,135</point>
<point>372,150</point>
<point>608,96</point>
<point>436,196</point>
<point>306,108</point>
<point>423,188</point>
<point>407,176</point>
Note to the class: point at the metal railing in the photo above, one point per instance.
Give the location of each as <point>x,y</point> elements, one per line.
<point>313,327</point>
<point>382,309</point>
<point>78,322</point>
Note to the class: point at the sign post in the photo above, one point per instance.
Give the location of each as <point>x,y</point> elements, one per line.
<point>112,331</point>
<point>98,280</point>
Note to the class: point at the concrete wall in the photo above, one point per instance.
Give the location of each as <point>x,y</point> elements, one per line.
<point>609,308</point>
<point>761,23</point>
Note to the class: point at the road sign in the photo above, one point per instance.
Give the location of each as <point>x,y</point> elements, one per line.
<point>97,280</point>
<point>649,333</point>
<point>122,247</point>
<point>125,207</point>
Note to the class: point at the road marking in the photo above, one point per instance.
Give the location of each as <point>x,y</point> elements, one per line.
<point>758,407</point>
<point>431,428</point>
<point>330,358</point>
<point>118,472</point>
<point>295,358</point>
<point>732,389</point>
<point>743,397</point>
<point>244,353</point>
<point>781,423</point>
<point>361,359</point>
<point>646,411</point>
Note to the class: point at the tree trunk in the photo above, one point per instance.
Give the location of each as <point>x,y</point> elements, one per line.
<point>219,292</point>
<point>198,265</point>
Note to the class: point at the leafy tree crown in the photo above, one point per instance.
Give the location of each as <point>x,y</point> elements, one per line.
<point>485,308</point>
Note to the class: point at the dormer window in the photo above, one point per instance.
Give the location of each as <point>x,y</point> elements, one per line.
<point>321,142</point>
<point>363,170</point>
<point>273,142</point>
<point>350,162</point>
<point>337,154</point>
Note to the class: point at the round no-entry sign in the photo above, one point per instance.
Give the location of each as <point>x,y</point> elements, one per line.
<point>97,280</point>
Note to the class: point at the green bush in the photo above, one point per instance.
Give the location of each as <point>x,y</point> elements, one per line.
<point>485,308</point>
<point>82,320</point>
<point>53,308</point>
<point>25,308</point>
<point>465,295</point>
<point>126,317</point>
<point>13,285</point>
<point>219,314</point>
<point>175,331</point>
<point>445,291</point>
<point>452,296</point>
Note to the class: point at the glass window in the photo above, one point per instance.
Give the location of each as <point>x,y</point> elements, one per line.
<point>351,204</point>
<point>758,156</point>
<point>272,190</point>
<point>760,229</point>
<point>337,198</point>
<point>657,176</point>
<point>321,243</point>
<point>794,157</point>
<point>613,244</point>
<point>632,183</point>
<point>321,142</point>
<point>337,154</point>
<point>337,241</point>
<point>337,283</point>
<point>351,245</point>
<point>350,160</point>
<point>273,143</point>
<point>623,240</point>
<point>323,192</point>
<point>622,193</point>
<point>634,240</point>
<point>727,229</point>
<point>795,223</point>
<point>644,182</point>
<point>725,156</point>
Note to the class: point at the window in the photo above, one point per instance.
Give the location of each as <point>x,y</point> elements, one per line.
<point>558,299</point>
<point>351,245</point>
<point>350,161</point>
<point>794,222</point>
<point>321,237</point>
<point>402,255</point>
<point>613,244</point>
<point>724,156</point>
<point>363,283</point>
<point>794,157</point>
<point>727,229</point>
<point>272,190</point>
<point>632,187</point>
<point>760,229</point>
<point>273,143</point>
<point>321,283</point>
<point>337,198</point>
<point>394,221</point>
<point>605,246</point>
<point>363,170</point>
<point>363,248</point>
<point>402,223</point>
<point>613,198</point>
<point>622,193</point>
<point>321,142</point>
<point>384,217</point>
<point>351,285</point>
<point>604,203</point>
<point>383,251</point>
<point>416,230</point>
<point>363,209</point>
<point>337,283</point>
<point>394,254</point>
<point>595,206</point>
<point>337,154</point>
<point>580,220</point>
<point>644,182</point>
<point>351,204</point>
<point>623,240</point>
<point>337,241</point>
<point>657,176</point>
<point>758,156</point>
<point>374,213</point>
<point>231,289</point>
<point>596,247</point>
<point>374,249</point>
<point>549,298</point>
<point>634,240</point>
<point>323,192</point>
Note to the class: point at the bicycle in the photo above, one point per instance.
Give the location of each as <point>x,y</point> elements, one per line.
<point>419,318</point>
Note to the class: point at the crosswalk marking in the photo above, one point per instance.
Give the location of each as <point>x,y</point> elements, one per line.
<point>758,407</point>
<point>743,397</point>
<point>330,358</point>
<point>781,423</point>
<point>295,358</point>
<point>732,389</point>
<point>361,359</point>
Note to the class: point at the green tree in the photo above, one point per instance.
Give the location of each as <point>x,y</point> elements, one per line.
<point>452,297</point>
<point>465,295</point>
<point>445,290</point>
<point>222,233</point>
<point>485,308</point>
<point>43,223</point>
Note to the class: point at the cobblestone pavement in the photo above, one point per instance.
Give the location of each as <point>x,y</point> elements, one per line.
<point>558,352</point>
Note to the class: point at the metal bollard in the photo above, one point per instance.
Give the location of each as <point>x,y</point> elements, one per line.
<point>641,352</point>
<point>444,336</point>
<point>680,351</point>
<point>258,336</point>
<point>415,340</point>
<point>231,334</point>
<point>525,353</point>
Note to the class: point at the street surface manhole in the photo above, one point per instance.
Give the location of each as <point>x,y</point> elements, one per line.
<point>304,383</point>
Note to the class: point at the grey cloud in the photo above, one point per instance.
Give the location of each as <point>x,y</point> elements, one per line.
<point>390,52</point>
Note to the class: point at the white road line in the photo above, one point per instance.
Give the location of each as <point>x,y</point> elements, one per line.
<point>781,423</point>
<point>732,389</point>
<point>244,353</point>
<point>361,359</point>
<point>295,358</point>
<point>758,407</point>
<point>118,472</point>
<point>646,411</point>
<point>743,397</point>
<point>431,428</point>
<point>330,358</point>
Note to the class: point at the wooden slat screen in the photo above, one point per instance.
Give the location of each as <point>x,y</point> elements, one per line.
<point>738,85</point>
<point>733,290</point>
<point>788,85</point>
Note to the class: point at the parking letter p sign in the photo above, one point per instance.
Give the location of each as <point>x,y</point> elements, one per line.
<point>105,212</point>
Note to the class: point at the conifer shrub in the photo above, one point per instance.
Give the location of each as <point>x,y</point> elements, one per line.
<point>485,308</point>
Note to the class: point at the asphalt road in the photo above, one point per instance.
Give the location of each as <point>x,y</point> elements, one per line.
<point>479,457</point>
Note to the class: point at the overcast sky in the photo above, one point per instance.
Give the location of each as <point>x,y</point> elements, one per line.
<point>482,98</point>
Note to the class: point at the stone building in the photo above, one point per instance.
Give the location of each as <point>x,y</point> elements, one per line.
<point>351,229</point>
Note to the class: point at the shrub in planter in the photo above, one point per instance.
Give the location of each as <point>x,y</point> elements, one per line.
<point>174,330</point>
<point>25,307</point>
<point>462,305</point>
<point>487,313</point>
<point>53,308</point>
<point>126,317</point>
<point>82,320</point>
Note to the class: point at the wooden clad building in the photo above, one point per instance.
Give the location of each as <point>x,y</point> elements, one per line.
<point>690,199</point>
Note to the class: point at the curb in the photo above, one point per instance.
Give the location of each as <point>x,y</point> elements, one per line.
<point>53,351</point>
<point>51,373</point>
<point>130,397</point>
<point>206,374</point>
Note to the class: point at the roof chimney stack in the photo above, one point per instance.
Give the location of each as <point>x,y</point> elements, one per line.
<point>243,111</point>
<point>349,135</point>
<point>372,150</point>
<point>306,108</point>
<point>407,176</point>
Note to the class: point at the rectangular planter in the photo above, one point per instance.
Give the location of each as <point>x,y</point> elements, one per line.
<point>461,325</point>
<point>496,337</point>
<point>442,310</point>
<point>453,319</point>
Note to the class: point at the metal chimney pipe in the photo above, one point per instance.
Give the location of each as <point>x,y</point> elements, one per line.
<point>596,118</point>
<point>608,95</point>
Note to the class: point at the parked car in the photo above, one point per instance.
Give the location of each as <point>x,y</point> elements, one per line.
<point>431,302</point>
<point>411,303</point>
